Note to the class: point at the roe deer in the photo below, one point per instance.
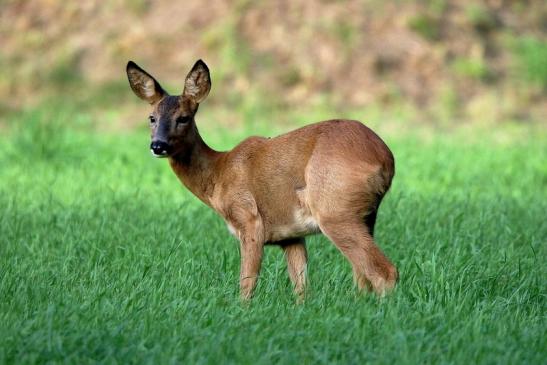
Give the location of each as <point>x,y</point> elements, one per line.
<point>327,177</point>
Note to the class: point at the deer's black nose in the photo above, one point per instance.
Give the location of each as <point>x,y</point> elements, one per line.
<point>159,148</point>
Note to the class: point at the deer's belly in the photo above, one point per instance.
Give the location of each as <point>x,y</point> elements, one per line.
<point>302,224</point>
<point>277,225</point>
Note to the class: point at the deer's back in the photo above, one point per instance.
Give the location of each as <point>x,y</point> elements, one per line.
<point>283,160</point>
<point>282,174</point>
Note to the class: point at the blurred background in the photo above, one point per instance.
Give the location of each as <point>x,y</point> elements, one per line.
<point>439,63</point>
<point>105,257</point>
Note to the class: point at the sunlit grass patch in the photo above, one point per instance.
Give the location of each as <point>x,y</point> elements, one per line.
<point>105,257</point>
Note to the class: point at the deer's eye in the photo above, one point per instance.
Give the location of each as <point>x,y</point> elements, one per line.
<point>183,119</point>
<point>152,119</point>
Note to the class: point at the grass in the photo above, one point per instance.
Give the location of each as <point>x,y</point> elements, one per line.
<point>105,258</point>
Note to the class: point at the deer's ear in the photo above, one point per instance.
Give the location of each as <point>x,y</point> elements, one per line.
<point>198,83</point>
<point>143,85</point>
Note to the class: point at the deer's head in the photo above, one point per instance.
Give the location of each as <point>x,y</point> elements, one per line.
<point>172,122</point>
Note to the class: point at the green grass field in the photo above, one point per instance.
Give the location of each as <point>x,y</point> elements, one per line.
<point>105,257</point>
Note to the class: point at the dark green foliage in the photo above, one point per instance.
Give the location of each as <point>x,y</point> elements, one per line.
<point>426,26</point>
<point>531,56</point>
<point>475,68</point>
<point>482,19</point>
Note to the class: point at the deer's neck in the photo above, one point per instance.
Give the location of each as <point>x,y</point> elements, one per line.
<point>196,167</point>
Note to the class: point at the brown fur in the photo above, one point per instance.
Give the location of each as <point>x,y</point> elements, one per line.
<point>327,177</point>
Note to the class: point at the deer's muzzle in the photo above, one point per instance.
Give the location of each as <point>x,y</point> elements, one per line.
<point>160,148</point>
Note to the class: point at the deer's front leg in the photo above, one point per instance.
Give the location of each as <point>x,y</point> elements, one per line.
<point>247,225</point>
<point>251,259</point>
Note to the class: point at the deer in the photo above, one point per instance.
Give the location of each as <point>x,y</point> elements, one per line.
<point>328,177</point>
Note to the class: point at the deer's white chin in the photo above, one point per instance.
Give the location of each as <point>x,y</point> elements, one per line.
<point>159,156</point>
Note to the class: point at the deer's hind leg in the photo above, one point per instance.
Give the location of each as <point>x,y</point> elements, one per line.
<point>371,268</point>
<point>344,199</point>
<point>370,220</point>
<point>297,258</point>
<point>349,223</point>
